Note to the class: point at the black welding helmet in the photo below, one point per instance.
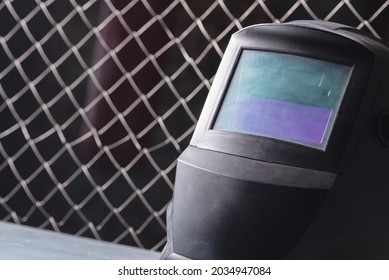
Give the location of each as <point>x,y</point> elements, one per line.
<point>292,139</point>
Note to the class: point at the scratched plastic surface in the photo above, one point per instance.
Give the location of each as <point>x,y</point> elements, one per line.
<point>21,242</point>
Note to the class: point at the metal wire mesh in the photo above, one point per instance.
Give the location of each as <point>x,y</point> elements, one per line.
<point>100,97</point>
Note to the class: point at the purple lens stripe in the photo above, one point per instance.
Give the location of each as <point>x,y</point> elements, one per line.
<point>276,119</point>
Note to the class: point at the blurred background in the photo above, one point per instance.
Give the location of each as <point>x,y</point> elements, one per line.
<point>99,98</point>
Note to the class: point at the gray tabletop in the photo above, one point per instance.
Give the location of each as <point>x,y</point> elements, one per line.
<point>21,242</point>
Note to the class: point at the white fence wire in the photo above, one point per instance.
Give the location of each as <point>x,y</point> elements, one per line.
<point>99,98</point>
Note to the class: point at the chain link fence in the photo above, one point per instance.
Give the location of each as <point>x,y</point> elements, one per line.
<point>99,98</point>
